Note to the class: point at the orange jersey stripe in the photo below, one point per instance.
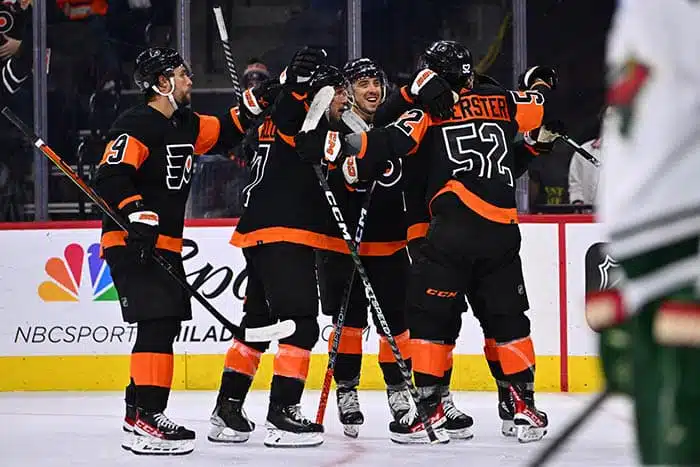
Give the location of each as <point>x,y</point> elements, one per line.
<point>312,239</point>
<point>415,231</point>
<point>127,200</point>
<point>117,238</point>
<point>125,149</point>
<point>152,369</point>
<point>287,139</point>
<point>478,205</point>
<point>209,129</point>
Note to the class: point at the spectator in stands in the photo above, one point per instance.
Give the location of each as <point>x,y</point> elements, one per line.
<point>255,73</point>
<point>583,176</point>
<point>549,177</point>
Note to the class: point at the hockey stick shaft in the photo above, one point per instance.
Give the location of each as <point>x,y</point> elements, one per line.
<point>237,331</point>
<point>405,373</point>
<point>228,53</point>
<point>578,148</point>
<point>558,442</point>
<point>340,320</point>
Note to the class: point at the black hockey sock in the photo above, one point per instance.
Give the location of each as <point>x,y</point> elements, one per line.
<point>234,385</point>
<point>347,367</point>
<point>130,393</point>
<point>392,373</point>
<point>286,391</point>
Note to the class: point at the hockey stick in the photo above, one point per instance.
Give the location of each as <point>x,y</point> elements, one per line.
<point>228,54</point>
<point>578,148</point>
<point>263,334</point>
<point>555,445</point>
<point>318,107</point>
<point>340,321</point>
<point>356,125</point>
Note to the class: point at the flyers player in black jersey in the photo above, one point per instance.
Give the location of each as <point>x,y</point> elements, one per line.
<point>384,255</point>
<point>145,176</point>
<point>284,221</point>
<point>473,243</point>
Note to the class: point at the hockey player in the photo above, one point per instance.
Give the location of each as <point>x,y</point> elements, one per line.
<point>649,205</point>
<point>383,251</point>
<point>145,176</point>
<point>473,242</point>
<point>283,222</point>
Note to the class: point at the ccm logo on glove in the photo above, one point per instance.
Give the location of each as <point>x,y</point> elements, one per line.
<point>332,146</point>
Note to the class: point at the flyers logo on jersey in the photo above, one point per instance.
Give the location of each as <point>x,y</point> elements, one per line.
<point>179,165</point>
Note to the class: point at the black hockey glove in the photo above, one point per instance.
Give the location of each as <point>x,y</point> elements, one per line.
<point>541,139</point>
<point>143,234</point>
<point>532,74</point>
<point>260,97</point>
<point>318,145</point>
<point>434,93</point>
<point>303,66</point>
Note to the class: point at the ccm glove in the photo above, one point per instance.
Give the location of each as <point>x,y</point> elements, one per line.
<point>535,73</point>
<point>143,232</point>
<point>434,93</point>
<point>260,97</point>
<point>303,65</point>
<point>317,145</point>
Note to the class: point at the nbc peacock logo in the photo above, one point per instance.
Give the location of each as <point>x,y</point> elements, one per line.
<point>66,274</point>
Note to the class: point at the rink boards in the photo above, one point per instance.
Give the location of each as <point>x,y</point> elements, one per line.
<point>62,327</point>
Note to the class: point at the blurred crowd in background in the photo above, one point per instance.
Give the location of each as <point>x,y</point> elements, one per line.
<point>92,45</point>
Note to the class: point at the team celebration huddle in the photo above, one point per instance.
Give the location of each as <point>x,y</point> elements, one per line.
<point>396,205</point>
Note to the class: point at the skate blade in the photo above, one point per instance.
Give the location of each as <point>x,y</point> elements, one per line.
<point>508,429</point>
<point>150,446</point>
<point>226,435</point>
<point>420,437</point>
<point>530,434</point>
<point>127,440</point>
<point>351,431</point>
<point>276,438</point>
<point>461,434</point>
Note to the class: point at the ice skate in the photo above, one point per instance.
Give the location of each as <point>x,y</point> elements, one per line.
<point>229,422</point>
<point>458,424</point>
<point>156,434</point>
<point>530,423</point>
<point>349,411</point>
<point>287,427</point>
<point>410,430</point>
<point>128,427</point>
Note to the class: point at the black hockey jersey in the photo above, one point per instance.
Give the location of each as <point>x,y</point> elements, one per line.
<point>149,158</point>
<point>471,154</point>
<point>284,201</point>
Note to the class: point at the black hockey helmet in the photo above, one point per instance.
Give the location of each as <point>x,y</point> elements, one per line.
<point>327,75</point>
<point>365,68</point>
<point>451,61</point>
<point>154,62</point>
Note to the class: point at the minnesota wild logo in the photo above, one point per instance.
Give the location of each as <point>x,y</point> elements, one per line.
<point>625,84</point>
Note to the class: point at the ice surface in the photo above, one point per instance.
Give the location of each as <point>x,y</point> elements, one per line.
<point>84,429</point>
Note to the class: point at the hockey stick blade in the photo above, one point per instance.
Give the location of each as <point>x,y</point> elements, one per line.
<point>318,107</point>
<point>273,332</point>
<point>577,147</point>
<point>279,330</point>
<point>354,122</point>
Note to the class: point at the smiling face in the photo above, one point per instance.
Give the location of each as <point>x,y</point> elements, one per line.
<point>367,94</point>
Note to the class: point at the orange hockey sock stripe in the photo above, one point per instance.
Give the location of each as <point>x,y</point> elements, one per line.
<point>350,341</point>
<point>292,362</point>
<point>428,357</point>
<point>403,343</point>
<point>242,359</point>
<point>516,356</point>
<point>152,369</point>
<point>491,350</point>
<point>449,361</point>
